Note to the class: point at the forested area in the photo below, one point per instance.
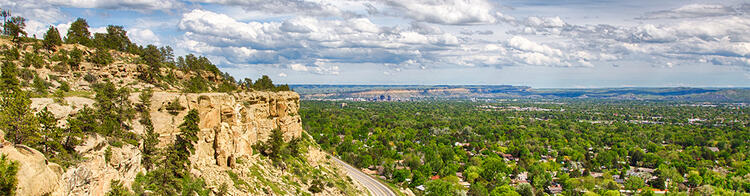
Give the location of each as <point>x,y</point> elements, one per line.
<point>537,147</point>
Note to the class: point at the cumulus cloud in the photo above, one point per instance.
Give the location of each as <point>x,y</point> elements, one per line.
<point>310,8</point>
<point>698,11</point>
<point>138,5</point>
<point>451,12</point>
<point>311,44</point>
<point>143,36</point>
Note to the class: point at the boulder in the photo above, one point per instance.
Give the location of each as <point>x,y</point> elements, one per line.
<point>35,175</point>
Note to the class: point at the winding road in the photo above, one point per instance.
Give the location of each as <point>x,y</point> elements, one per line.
<point>374,186</point>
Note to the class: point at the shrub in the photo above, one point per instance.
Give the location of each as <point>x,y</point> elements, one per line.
<point>8,180</point>
<point>101,57</point>
<point>90,78</point>
<point>11,53</point>
<point>64,86</point>
<point>26,74</point>
<point>108,154</point>
<point>40,86</point>
<point>33,59</point>
<point>174,107</point>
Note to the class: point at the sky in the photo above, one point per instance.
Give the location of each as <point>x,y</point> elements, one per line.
<point>537,43</point>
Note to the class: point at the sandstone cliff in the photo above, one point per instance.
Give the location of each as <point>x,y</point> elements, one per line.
<point>230,125</point>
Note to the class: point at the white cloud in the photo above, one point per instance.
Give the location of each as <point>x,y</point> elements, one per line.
<point>521,43</point>
<point>304,7</point>
<point>143,36</point>
<point>137,5</point>
<point>451,12</point>
<point>283,75</point>
<point>695,11</point>
<point>297,41</point>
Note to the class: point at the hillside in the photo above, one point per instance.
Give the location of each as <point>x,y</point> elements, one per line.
<point>136,120</point>
<point>418,92</point>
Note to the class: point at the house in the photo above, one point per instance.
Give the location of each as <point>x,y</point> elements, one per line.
<point>420,187</point>
<point>555,189</point>
<point>713,149</point>
<point>435,177</point>
<point>465,184</point>
<point>507,157</point>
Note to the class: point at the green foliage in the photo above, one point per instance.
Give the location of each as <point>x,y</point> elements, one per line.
<point>107,154</point>
<point>117,189</point>
<point>76,57</point>
<point>64,86</point>
<point>90,78</point>
<point>151,138</point>
<point>9,77</point>
<point>237,181</point>
<point>193,63</point>
<point>114,109</point>
<point>33,59</point>
<point>11,53</point>
<point>634,183</point>
<point>171,175</point>
<point>78,33</point>
<point>16,117</point>
<point>153,59</point>
<point>223,190</point>
<point>52,38</point>
<point>15,28</point>
<point>380,132</point>
<point>40,86</point>
<point>116,38</point>
<point>8,180</point>
<point>51,135</point>
<point>174,107</point>
<point>316,186</point>
<point>196,84</point>
<point>101,57</point>
<point>439,187</point>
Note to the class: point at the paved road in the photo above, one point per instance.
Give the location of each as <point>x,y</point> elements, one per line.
<point>374,186</point>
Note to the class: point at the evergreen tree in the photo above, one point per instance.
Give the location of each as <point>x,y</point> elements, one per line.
<point>9,77</point>
<point>8,180</point>
<point>52,39</point>
<point>15,28</point>
<point>78,33</point>
<point>15,112</point>
<point>153,59</point>
<point>50,133</point>
<point>116,38</point>
<point>151,138</point>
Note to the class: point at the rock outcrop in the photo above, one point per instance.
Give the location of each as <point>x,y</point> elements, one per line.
<point>230,123</point>
<point>35,175</point>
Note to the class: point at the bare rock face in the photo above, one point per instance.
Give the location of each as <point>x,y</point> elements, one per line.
<point>230,123</point>
<point>35,175</point>
<point>94,175</point>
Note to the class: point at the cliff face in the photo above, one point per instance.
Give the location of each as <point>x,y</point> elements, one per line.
<point>230,123</point>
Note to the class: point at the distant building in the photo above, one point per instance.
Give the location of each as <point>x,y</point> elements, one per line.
<point>713,149</point>
<point>555,189</point>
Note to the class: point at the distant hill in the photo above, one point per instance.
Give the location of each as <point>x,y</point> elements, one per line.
<point>416,92</point>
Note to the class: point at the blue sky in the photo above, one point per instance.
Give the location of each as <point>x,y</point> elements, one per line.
<point>539,43</point>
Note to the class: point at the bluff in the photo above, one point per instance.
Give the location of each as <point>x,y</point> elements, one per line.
<point>234,117</point>
<point>230,124</point>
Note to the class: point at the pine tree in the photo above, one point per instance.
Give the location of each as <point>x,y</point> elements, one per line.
<point>50,133</point>
<point>52,39</point>
<point>8,79</point>
<point>15,28</point>
<point>15,111</point>
<point>78,33</point>
<point>151,138</point>
<point>8,180</point>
